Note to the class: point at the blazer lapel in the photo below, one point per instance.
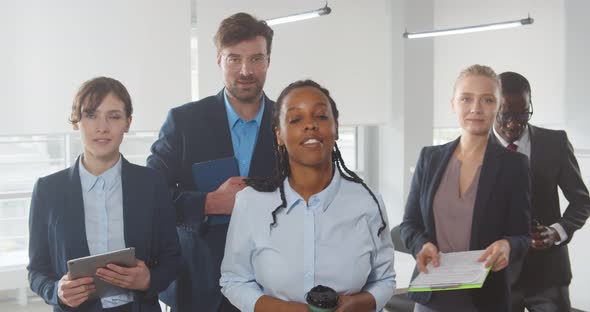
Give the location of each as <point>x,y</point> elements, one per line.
<point>265,145</point>
<point>214,130</point>
<point>447,152</point>
<point>487,178</point>
<point>533,161</point>
<point>263,153</point>
<point>135,212</point>
<point>73,216</point>
<point>494,139</point>
<point>127,203</point>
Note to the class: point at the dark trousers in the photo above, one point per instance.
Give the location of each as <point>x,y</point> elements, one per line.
<point>122,308</point>
<point>456,301</point>
<point>225,306</point>
<point>551,299</point>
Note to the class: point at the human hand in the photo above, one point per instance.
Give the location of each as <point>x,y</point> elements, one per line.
<point>345,304</point>
<point>136,278</point>
<point>497,254</point>
<point>221,201</point>
<point>268,303</point>
<point>544,237</point>
<point>74,292</point>
<point>428,253</point>
<point>362,301</point>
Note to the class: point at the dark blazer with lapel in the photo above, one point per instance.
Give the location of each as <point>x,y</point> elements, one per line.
<point>501,211</point>
<point>192,133</point>
<point>553,164</point>
<point>58,232</point>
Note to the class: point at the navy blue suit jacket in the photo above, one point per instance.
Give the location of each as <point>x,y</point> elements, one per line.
<point>501,211</point>
<point>58,232</point>
<point>197,132</point>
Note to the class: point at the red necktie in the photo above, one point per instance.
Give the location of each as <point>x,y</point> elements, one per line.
<point>513,147</point>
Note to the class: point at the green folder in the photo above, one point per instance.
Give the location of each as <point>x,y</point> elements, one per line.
<point>454,269</point>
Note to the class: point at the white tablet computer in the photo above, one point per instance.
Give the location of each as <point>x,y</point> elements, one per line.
<point>86,267</point>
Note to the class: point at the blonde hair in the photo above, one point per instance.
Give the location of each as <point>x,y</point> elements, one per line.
<point>479,70</point>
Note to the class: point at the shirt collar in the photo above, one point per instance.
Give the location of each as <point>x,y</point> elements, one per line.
<point>232,115</point>
<point>89,180</point>
<point>522,141</point>
<point>325,197</point>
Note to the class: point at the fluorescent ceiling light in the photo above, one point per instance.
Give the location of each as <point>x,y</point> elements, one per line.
<point>469,29</point>
<point>299,17</point>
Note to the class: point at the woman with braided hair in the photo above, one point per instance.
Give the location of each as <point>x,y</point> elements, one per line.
<point>315,223</point>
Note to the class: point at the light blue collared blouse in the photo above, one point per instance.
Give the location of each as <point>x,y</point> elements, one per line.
<point>103,216</point>
<point>331,241</point>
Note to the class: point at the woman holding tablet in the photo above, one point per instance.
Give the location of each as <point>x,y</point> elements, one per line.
<point>102,203</point>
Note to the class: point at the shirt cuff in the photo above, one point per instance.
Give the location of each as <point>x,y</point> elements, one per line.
<point>244,297</point>
<point>561,232</point>
<point>381,293</point>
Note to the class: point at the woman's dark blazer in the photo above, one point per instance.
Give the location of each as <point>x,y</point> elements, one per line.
<point>58,233</point>
<point>501,211</point>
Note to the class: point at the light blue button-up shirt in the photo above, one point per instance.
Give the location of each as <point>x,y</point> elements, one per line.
<point>331,240</point>
<point>243,135</point>
<point>103,217</point>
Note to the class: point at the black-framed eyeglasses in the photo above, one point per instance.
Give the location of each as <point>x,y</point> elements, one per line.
<point>523,117</point>
<point>235,61</point>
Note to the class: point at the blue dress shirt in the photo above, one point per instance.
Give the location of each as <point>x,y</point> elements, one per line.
<point>103,217</point>
<point>243,135</point>
<point>330,241</point>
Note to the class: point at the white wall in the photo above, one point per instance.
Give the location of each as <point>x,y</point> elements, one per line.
<point>577,114</point>
<point>50,48</point>
<point>577,72</point>
<point>430,67</point>
<point>536,51</point>
<point>400,141</point>
<point>348,51</point>
<point>552,53</point>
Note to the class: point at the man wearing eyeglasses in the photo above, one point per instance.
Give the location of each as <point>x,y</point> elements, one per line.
<point>541,282</point>
<point>234,123</point>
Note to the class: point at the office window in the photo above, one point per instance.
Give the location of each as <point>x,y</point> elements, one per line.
<point>14,226</point>
<point>348,145</point>
<point>23,159</point>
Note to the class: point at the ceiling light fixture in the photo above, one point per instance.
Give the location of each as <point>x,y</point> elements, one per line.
<point>469,29</point>
<point>300,16</point>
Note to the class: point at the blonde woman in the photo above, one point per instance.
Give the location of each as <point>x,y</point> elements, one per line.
<point>470,194</point>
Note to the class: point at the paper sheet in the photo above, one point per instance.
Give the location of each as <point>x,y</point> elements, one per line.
<point>457,270</point>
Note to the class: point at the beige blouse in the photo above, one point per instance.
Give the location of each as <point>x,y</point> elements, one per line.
<point>453,213</point>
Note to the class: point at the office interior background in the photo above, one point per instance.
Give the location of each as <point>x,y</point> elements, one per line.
<point>393,93</point>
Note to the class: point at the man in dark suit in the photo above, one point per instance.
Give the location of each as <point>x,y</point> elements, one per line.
<point>541,282</point>
<point>235,122</point>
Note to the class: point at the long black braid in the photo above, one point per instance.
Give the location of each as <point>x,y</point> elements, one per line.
<point>353,177</point>
<point>270,184</point>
